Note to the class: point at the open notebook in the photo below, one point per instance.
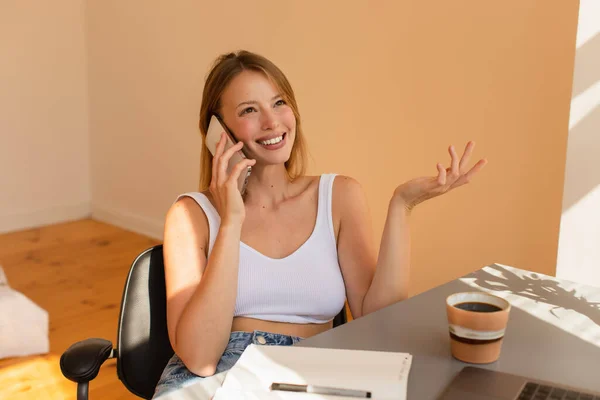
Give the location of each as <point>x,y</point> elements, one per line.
<point>384,374</point>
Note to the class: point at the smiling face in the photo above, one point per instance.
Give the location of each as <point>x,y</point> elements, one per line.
<point>256,113</point>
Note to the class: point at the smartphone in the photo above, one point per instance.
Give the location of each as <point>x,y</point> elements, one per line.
<point>213,135</point>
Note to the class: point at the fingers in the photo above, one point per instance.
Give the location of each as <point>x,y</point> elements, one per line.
<point>237,170</point>
<point>454,176</point>
<point>229,152</point>
<point>454,172</point>
<point>476,168</point>
<point>223,162</point>
<point>441,178</point>
<point>215,160</point>
<point>466,178</point>
<point>466,156</point>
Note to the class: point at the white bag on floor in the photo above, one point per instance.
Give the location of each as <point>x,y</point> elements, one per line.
<point>23,324</point>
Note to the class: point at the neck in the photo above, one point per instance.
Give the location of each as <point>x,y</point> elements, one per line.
<point>268,186</point>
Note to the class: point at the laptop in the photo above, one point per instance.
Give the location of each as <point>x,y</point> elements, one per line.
<point>474,383</point>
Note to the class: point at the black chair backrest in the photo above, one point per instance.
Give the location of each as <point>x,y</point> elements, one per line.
<point>143,347</point>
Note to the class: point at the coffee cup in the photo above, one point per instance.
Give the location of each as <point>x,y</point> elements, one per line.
<point>477,322</point>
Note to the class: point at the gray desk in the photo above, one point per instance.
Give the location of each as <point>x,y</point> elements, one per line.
<point>552,334</point>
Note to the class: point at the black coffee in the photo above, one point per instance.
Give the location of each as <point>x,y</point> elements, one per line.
<point>477,307</point>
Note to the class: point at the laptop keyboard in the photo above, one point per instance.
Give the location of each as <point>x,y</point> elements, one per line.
<point>534,391</point>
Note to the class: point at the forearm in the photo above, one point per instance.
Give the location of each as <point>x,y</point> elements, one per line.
<point>390,282</point>
<point>204,327</point>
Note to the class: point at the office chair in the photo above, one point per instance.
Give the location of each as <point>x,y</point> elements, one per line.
<point>143,347</point>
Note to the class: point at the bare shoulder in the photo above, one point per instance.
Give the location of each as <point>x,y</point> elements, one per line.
<point>348,197</point>
<point>345,188</point>
<point>184,209</point>
<point>186,219</point>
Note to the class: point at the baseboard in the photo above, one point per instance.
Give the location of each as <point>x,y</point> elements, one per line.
<point>126,220</point>
<point>47,216</point>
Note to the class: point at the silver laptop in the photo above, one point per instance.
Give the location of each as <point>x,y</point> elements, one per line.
<point>481,384</point>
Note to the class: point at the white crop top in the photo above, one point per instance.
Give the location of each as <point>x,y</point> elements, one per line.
<point>304,287</point>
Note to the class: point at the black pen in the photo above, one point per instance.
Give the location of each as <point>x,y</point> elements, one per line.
<point>289,387</point>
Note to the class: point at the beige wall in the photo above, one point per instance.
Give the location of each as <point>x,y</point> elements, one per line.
<point>383,89</point>
<point>578,250</point>
<point>44,136</point>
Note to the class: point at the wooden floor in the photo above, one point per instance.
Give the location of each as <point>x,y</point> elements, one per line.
<point>76,272</point>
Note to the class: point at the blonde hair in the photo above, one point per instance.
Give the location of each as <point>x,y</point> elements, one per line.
<point>224,69</point>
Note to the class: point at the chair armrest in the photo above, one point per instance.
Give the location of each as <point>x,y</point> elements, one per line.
<point>81,362</point>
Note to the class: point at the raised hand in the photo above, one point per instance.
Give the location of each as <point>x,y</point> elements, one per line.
<point>223,186</point>
<point>418,190</point>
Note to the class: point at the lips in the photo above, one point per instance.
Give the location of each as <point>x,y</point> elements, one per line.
<point>271,139</point>
<point>273,142</point>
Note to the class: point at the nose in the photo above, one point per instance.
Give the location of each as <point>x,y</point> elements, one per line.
<point>269,120</point>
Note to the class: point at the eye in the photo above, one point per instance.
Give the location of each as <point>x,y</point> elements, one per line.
<point>280,102</point>
<point>247,110</point>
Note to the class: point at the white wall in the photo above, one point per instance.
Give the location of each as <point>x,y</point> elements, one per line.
<point>579,243</point>
<point>44,136</point>
<point>145,90</point>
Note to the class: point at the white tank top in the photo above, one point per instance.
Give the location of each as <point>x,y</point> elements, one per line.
<point>304,287</point>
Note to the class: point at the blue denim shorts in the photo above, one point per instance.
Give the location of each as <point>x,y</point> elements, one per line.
<point>176,375</point>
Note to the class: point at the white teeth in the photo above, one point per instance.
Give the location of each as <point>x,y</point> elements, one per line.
<point>272,141</point>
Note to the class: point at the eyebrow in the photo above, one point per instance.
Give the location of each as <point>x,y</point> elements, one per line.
<point>255,102</point>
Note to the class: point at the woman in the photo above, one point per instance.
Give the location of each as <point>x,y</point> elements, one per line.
<point>277,265</point>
